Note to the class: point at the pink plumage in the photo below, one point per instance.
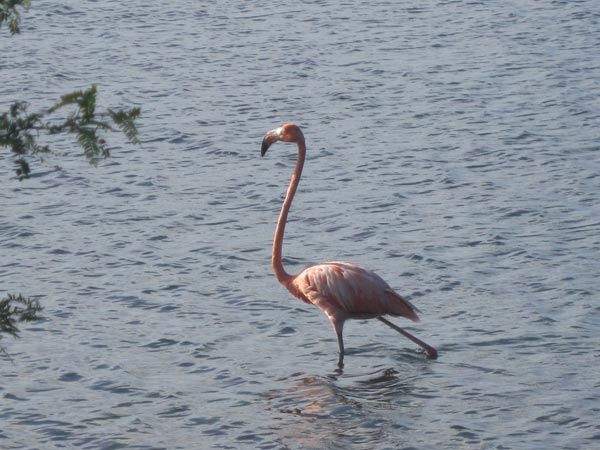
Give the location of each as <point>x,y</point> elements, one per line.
<point>351,290</point>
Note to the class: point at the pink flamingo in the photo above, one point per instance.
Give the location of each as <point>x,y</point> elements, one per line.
<point>342,290</point>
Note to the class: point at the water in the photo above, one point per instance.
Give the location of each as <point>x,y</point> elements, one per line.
<point>453,147</point>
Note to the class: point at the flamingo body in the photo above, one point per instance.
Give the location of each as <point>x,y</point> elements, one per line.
<point>342,290</point>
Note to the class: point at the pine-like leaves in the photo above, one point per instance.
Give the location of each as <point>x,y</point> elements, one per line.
<point>19,130</point>
<point>14,309</point>
<point>86,100</point>
<point>10,14</point>
<point>88,139</point>
<point>125,120</point>
<point>16,132</point>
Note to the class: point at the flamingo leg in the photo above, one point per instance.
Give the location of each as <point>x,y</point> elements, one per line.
<point>338,327</point>
<point>431,352</point>
<point>341,345</point>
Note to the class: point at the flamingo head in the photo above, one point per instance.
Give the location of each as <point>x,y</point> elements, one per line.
<point>286,133</point>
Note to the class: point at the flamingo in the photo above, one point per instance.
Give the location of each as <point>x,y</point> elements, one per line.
<point>342,290</point>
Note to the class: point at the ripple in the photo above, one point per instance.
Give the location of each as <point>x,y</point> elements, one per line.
<point>70,376</point>
<point>163,342</point>
<point>456,155</point>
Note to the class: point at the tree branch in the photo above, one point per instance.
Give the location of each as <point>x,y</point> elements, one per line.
<point>17,127</point>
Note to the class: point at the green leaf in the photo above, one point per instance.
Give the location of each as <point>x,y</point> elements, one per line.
<point>86,100</point>
<point>88,139</point>
<point>23,171</point>
<point>88,103</point>
<point>125,120</point>
<point>10,14</point>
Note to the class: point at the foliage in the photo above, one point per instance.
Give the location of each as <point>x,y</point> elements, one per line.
<point>10,14</point>
<point>20,129</point>
<point>14,309</point>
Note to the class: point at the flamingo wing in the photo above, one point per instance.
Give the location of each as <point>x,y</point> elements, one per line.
<point>350,289</point>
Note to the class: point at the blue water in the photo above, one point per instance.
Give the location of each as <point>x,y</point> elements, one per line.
<point>453,147</point>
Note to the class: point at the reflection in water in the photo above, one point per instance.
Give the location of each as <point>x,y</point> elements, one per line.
<point>339,409</point>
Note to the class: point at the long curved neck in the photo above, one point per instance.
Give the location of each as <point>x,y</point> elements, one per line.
<point>277,260</point>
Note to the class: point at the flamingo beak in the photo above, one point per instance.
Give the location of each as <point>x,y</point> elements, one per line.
<point>270,138</point>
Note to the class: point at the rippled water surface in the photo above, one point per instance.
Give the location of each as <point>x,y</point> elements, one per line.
<point>453,147</point>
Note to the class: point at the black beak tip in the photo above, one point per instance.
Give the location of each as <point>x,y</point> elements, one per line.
<point>263,149</point>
